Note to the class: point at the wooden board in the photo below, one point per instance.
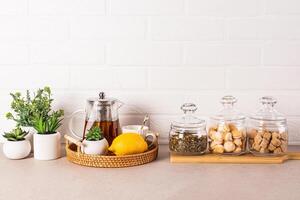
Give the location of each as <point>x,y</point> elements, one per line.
<point>243,159</point>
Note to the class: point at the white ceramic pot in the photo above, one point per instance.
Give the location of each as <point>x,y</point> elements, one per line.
<point>16,149</point>
<point>46,146</point>
<point>29,136</point>
<point>95,147</point>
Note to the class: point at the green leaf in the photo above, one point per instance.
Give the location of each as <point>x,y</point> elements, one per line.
<point>94,134</point>
<point>48,124</point>
<point>25,108</point>
<point>16,134</point>
<point>35,111</point>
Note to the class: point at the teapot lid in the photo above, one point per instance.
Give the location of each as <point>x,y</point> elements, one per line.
<point>102,99</point>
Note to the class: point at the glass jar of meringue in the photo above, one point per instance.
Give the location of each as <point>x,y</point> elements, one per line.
<point>188,133</point>
<point>267,130</point>
<point>227,130</point>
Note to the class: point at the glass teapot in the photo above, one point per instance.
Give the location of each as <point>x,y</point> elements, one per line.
<point>101,112</point>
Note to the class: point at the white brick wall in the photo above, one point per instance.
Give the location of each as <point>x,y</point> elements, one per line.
<point>66,7</point>
<point>153,55</point>
<point>186,29</point>
<point>147,7</point>
<point>264,28</point>
<point>68,52</point>
<point>144,53</point>
<point>222,53</point>
<point>225,8</point>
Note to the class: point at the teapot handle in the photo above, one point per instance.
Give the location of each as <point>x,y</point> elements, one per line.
<point>71,124</point>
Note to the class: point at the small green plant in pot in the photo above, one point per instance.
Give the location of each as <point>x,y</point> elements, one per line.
<point>48,124</point>
<point>16,146</point>
<point>94,142</point>
<point>16,134</point>
<point>26,107</point>
<point>46,141</point>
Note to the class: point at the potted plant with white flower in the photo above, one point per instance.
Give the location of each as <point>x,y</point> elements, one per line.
<point>94,142</point>
<point>46,140</point>
<point>16,146</point>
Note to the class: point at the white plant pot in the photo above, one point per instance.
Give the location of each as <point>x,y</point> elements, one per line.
<point>46,146</point>
<point>16,149</point>
<point>29,136</point>
<point>95,147</point>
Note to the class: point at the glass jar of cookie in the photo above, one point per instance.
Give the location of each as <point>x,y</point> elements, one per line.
<point>267,130</point>
<point>188,133</point>
<point>227,130</point>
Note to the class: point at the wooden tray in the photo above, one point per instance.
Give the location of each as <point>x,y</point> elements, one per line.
<point>74,155</point>
<point>242,159</point>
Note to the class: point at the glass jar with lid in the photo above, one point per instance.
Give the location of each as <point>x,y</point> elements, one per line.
<point>227,129</point>
<point>188,133</point>
<point>267,130</point>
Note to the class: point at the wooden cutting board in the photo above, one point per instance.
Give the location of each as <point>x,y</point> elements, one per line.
<point>242,159</point>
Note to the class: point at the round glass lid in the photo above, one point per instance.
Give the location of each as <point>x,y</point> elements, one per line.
<point>229,112</point>
<point>188,119</point>
<point>266,111</point>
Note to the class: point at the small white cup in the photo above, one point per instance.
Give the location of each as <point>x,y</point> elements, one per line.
<point>145,132</point>
<point>135,129</point>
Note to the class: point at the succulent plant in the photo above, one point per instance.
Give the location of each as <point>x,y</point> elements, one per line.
<point>48,124</point>
<point>94,134</point>
<point>16,134</point>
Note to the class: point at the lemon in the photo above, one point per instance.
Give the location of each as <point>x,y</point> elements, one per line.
<point>128,143</point>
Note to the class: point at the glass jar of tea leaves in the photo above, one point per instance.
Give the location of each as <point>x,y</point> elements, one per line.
<point>188,133</point>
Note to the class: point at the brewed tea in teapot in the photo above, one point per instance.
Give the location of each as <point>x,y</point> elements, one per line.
<point>101,112</point>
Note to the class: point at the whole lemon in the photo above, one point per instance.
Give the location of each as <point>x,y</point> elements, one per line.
<point>128,143</point>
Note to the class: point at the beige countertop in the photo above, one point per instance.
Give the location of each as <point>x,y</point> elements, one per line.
<point>30,179</point>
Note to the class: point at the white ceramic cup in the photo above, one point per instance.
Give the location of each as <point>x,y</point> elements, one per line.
<point>145,132</point>
<point>135,129</point>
